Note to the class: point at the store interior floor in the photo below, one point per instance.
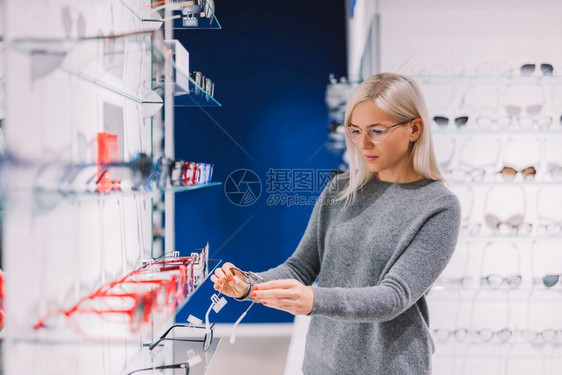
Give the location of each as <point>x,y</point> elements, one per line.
<point>251,356</point>
<point>260,349</point>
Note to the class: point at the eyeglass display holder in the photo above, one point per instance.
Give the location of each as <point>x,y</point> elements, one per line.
<point>78,236</point>
<point>192,14</point>
<point>491,303</point>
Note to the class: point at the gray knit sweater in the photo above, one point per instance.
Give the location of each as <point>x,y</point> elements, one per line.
<point>375,260</point>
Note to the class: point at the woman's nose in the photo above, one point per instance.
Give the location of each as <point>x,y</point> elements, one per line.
<point>365,143</point>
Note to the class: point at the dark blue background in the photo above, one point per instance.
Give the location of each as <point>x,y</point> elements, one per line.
<point>270,62</point>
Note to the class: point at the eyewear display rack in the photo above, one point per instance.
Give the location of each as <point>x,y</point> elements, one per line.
<point>90,96</point>
<point>496,307</point>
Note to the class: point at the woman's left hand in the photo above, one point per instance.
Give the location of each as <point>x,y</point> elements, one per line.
<point>287,295</point>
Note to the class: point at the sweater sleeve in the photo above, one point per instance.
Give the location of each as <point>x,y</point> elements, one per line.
<point>304,264</point>
<point>407,280</point>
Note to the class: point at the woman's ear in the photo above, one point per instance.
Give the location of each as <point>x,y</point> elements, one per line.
<point>416,128</point>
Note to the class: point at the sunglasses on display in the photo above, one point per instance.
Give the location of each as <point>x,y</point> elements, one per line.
<point>474,174</point>
<point>191,10</point>
<point>528,69</point>
<point>551,228</point>
<point>548,214</point>
<point>516,110</point>
<point>463,334</point>
<point>192,360</point>
<point>471,228</point>
<point>513,225</point>
<point>467,226</point>
<point>189,173</point>
<point>495,281</point>
<point>534,123</point>
<point>554,170</point>
<point>158,284</point>
<point>207,339</point>
<point>502,68</point>
<point>503,335</point>
<point>548,281</point>
<point>463,282</point>
<point>443,121</point>
<point>466,171</point>
<point>196,9</point>
<point>203,82</point>
<point>494,122</point>
<point>509,173</point>
<point>524,122</point>
<point>375,134</point>
<point>136,306</point>
<point>547,335</point>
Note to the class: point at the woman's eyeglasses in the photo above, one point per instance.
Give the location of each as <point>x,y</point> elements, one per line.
<point>375,134</point>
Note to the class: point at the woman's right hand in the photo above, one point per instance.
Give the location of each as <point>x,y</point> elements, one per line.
<point>228,281</point>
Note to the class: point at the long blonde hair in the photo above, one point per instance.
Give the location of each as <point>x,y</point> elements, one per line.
<point>400,97</point>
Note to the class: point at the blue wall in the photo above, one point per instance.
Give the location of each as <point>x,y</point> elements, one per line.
<point>270,63</point>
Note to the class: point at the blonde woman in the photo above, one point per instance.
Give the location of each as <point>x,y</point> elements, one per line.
<point>376,250</point>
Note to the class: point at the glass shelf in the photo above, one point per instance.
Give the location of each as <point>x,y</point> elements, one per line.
<point>488,80</point>
<point>102,61</point>
<point>496,343</point>
<point>489,237</point>
<point>179,189</point>
<point>142,10</point>
<point>210,21</point>
<point>186,92</point>
<point>503,183</point>
<point>176,352</point>
<point>63,334</point>
<point>181,348</point>
<point>53,181</point>
<point>489,289</point>
<point>47,199</point>
<point>549,131</point>
<point>213,264</point>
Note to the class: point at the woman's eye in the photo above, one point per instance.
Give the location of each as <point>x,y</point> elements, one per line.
<point>376,132</point>
<point>355,131</point>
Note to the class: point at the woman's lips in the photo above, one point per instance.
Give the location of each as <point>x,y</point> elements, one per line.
<point>371,157</point>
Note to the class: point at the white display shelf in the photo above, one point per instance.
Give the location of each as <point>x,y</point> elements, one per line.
<point>61,332</point>
<point>150,12</point>
<point>186,92</point>
<point>530,183</point>
<point>489,80</point>
<point>553,130</point>
<point>99,60</point>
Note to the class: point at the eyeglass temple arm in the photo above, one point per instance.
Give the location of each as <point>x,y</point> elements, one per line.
<point>233,334</point>
<point>165,367</point>
<point>165,334</point>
